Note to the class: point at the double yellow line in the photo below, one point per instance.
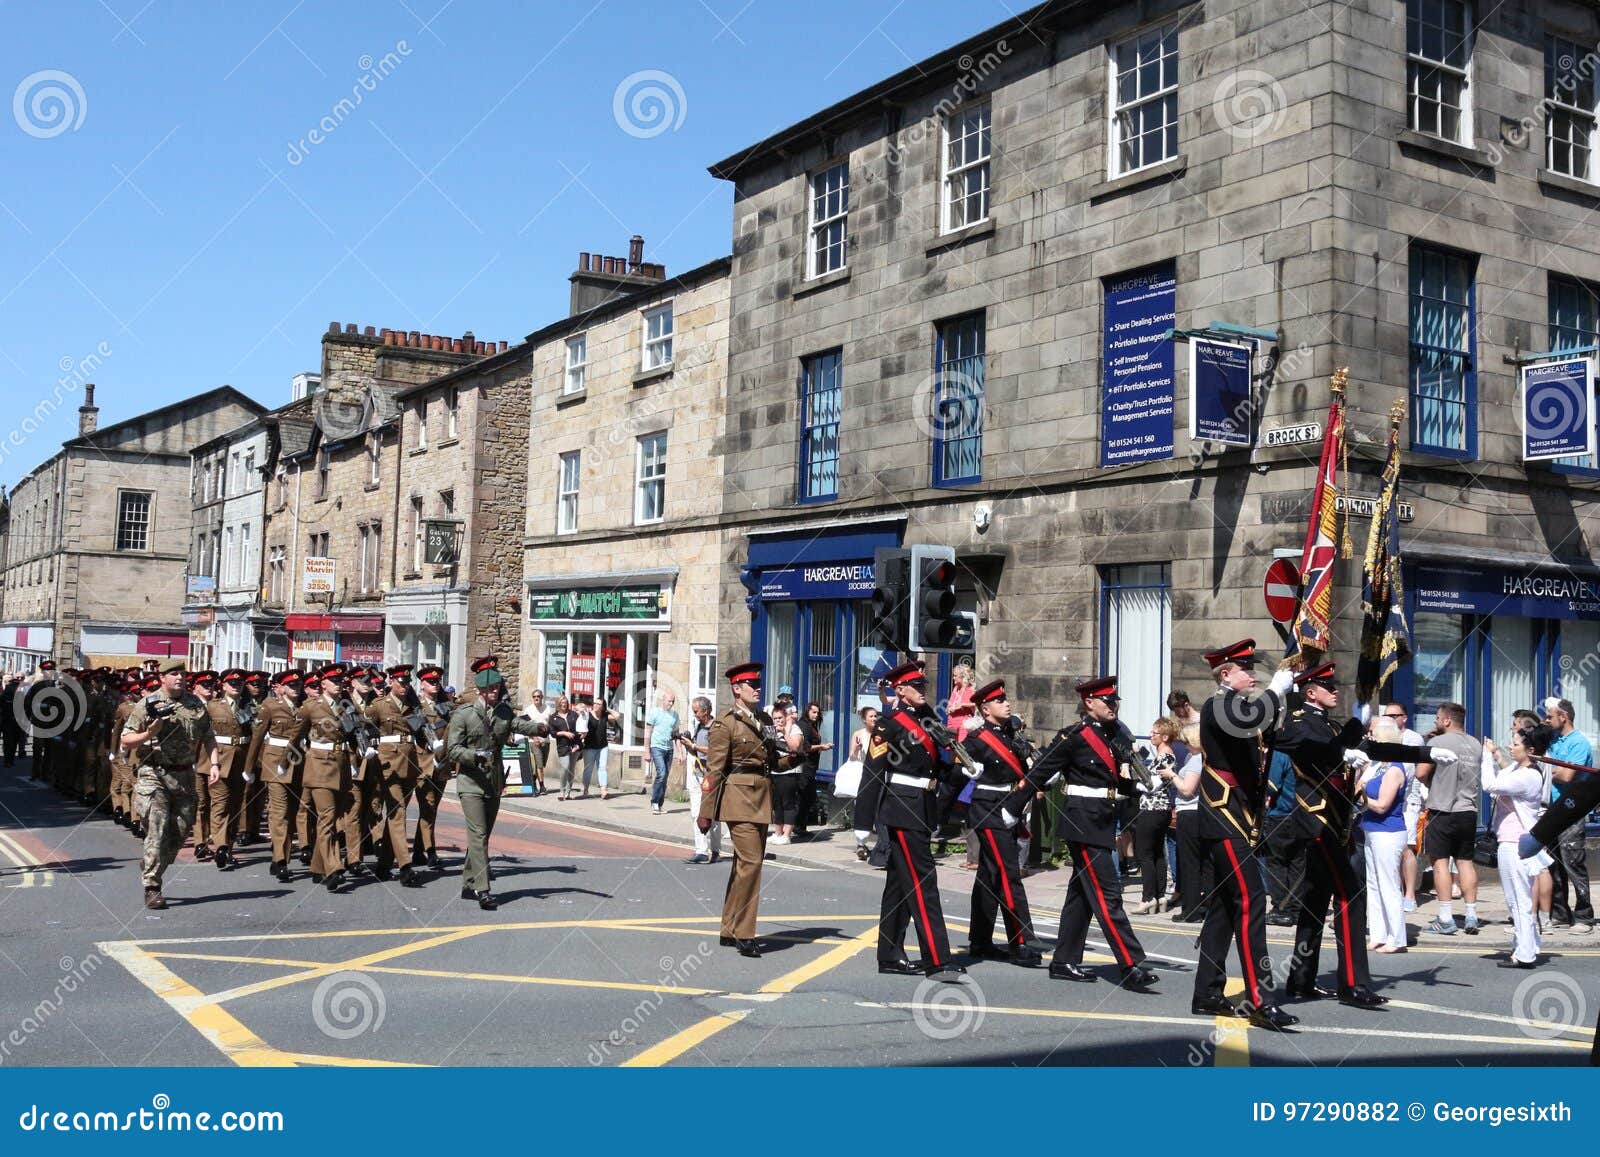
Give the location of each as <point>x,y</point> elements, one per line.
<point>33,876</point>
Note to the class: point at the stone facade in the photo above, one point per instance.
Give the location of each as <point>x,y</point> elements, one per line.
<point>1297,222</point>
<point>609,548</point>
<point>463,439</point>
<point>65,568</point>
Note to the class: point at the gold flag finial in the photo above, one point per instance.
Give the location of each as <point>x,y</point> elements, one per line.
<point>1337,384</point>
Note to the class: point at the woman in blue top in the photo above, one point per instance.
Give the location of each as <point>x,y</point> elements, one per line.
<point>1382,826</point>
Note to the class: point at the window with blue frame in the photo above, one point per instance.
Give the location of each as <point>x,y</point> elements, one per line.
<point>1444,384</point>
<point>1574,325</point>
<point>821,400</point>
<point>958,401</point>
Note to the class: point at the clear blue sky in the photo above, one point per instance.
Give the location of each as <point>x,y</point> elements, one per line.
<point>163,199</point>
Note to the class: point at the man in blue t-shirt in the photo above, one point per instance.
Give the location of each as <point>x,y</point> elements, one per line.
<point>1572,863</point>
<point>663,724</point>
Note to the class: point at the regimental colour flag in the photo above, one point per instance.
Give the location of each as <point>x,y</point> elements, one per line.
<point>1312,628</point>
<point>1385,635</point>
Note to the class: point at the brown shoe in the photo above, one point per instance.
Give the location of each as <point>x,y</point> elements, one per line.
<point>154,899</point>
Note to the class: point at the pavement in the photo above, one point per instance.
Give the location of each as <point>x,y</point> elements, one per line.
<point>605,953</point>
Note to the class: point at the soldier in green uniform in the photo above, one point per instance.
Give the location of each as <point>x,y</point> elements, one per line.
<point>476,734</point>
<point>171,732</point>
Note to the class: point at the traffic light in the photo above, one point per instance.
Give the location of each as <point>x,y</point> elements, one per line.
<point>936,626</point>
<point>891,598</point>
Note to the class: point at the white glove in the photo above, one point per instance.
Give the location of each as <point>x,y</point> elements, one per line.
<point>1441,755</point>
<point>249,777</point>
<point>1364,713</point>
<point>1355,757</point>
<point>369,753</point>
<point>1282,680</point>
<point>1008,819</point>
<point>974,773</point>
<point>861,836</point>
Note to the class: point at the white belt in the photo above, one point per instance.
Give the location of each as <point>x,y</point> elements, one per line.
<point>224,741</point>
<point>438,745</point>
<point>393,738</point>
<point>1079,789</point>
<point>274,741</point>
<point>793,771</point>
<point>911,781</point>
<point>316,746</point>
<point>1000,788</point>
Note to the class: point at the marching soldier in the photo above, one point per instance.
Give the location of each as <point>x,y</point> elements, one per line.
<point>1233,786</point>
<point>325,777</point>
<point>355,807</point>
<point>231,716</point>
<point>121,757</point>
<point>396,775</point>
<point>475,736</point>
<point>250,798</point>
<point>275,758</point>
<point>741,754</point>
<point>1000,795</point>
<point>1324,805</point>
<point>433,769</point>
<point>37,708</point>
<point>105,702</point>
<point>476,668</point>
<point>173,732</point>
<point>1092,756</point>
<point>203,686</point>
<point>907,764</point>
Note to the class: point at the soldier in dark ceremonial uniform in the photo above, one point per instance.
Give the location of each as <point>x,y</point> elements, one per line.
<point>906,771</point>
<point>1000,795</point>
<point>1092,757</point>
<point>1324,754</point>
<point>1233,788</point>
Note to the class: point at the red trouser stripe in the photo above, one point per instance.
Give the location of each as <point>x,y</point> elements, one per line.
<point>1123,955</point>
<point>916,884</point>
<point>1344,916</point>
<point>1005,881</point>
<point>1244,926</point>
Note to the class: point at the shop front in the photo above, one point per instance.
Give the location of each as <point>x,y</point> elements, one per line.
<point>118,645</point>
<point>341,638</point>
<point>600,635</point>
<point>24,645</point>
<point>429,625</point>
<point>810,593</point>
<point>1496,638</point>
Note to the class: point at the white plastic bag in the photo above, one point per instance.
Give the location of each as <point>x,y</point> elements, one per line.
<point>847,780</point>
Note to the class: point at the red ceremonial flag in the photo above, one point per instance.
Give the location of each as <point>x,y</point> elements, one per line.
<point>1312,624</point>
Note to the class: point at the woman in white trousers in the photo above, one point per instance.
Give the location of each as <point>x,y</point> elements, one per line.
<point>1383,827</point>
<point>1516,792</point>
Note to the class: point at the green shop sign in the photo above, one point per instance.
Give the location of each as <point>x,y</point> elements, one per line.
<point>614,603</point>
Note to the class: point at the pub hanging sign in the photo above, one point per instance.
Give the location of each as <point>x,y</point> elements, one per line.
<point>597,603</point>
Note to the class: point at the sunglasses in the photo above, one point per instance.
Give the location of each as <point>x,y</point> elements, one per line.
<point>1392,715</point>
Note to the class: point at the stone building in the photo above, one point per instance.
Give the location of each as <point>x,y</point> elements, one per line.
<point>624,490</point>
<point>96,543</point>
<point>333,502</point>
<point>952,294</point>
<point>462,476</point>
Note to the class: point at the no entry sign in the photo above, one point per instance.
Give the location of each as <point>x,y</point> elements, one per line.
<point>1282,590</point>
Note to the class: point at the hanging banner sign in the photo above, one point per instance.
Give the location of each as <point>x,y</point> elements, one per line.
<point>1220,408</point>
<point>1557,409</point>
<point>1462,588</point>
<point>1138,395</point>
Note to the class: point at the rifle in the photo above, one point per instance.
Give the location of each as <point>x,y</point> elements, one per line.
<point>1129,754</point>
<point>943,736</point>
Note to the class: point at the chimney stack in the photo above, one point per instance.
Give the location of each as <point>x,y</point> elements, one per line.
<point>601,279</point>
<point>88,413</point>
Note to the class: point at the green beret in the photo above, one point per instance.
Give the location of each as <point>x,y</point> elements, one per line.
<point>487,678</point>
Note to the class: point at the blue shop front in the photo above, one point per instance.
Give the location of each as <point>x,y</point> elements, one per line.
<point>809,593</point>
<point>1499,637</point>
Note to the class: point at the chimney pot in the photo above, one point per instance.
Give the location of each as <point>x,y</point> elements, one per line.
<point>583,262</point>
<point>414,339</point>
<point>502,347</point>
<point>368,332</point>
<point>333,327</point>
<point>88,413</point>
<point>635,252</point>
<point>350,327</point>
<point>88,394</point>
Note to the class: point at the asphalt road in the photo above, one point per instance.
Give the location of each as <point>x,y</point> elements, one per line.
<point>605,953</point>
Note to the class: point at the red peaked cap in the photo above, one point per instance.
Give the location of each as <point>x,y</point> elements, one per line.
<point>487,663</point>
<point>744,673</point>
<point>908,672</point>
<point>430,673</point>
<point>1101,687</point>
<point>283,678</point>
<point>1318,676</point>
<point>1242,653</point>
<point>994,690</point>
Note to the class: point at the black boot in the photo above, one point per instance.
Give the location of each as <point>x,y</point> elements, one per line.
<point>409,877</point>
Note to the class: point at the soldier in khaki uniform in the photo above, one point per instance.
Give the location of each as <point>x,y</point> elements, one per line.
<point>741,756</point>
<point>396,777</point>
<point>433,769</point>
<point>173,732</point>
<point>121,761</point>
<point>105,700</point>
<point>357,809</point>
<point>250,803</point>
<point>222,697</point>
<point>203,686</point>
<point>275,757</point>
<point>476,734</point>
<point>325,778</point>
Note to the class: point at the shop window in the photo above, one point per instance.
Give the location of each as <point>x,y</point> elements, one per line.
<point>1574,325</point>
<point>1136,638</point>
<point>1578,675</point>
<point>783,626</point>
<point>1444,384</point>
<point>821,399</point>
<point>958,401</point>
<point>1438,664</point>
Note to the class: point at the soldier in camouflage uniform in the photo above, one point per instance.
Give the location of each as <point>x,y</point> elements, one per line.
<point>171,732</point>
